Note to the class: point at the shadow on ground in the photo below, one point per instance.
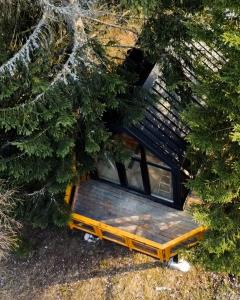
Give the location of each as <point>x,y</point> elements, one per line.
<point>63,266</point>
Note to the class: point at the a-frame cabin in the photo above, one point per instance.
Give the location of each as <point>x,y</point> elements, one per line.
<point>139,203</point>
<point>157,168</point>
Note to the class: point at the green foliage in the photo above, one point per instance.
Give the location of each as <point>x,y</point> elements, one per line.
<point>214,148</point>
<point>15,29</point>
<point>213,142</point>
<point>46,123</point>
<point>43,209</point>
<point>24,248</point>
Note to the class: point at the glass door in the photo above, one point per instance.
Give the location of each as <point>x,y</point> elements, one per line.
<point>134,174</point>
<point>160,178</point>
<point>143,172</point>
<point>160,182</point>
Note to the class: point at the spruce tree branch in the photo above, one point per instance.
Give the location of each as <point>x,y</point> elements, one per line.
<point>118,46</point>
<point>23,55</point>
<point>68,69</point>
<point>111,25</point>
<point>223,129</point>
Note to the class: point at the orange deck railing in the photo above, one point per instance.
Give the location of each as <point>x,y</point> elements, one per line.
<point>134,242</point>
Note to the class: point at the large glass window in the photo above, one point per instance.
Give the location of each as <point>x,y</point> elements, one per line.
<point>134,175</point>
<point>143,172</point>
<point>107,170</point>
<point>160,177</point>
<point>160,182</point>
<point>154,159</point>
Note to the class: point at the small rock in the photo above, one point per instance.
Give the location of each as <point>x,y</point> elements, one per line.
<point>162,288</point>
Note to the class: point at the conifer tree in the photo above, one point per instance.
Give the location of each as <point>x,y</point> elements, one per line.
<point>214,140</point>
<point>56,84</point>
<point>173,32</point>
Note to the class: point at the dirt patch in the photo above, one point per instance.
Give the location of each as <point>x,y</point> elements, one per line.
<point>62,266</point>
<point>118,36</point>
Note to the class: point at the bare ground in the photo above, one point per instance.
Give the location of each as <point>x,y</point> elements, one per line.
<point>61,266</point>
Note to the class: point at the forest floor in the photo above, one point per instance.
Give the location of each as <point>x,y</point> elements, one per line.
<point>61,266</point>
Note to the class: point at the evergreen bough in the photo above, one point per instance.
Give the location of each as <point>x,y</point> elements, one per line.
<point>214,139</point>
<point>56,86</point>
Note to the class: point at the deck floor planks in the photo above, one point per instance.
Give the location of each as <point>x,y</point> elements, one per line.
<point>111,198</point>
<point>131,212</point>
<point>109,204</point>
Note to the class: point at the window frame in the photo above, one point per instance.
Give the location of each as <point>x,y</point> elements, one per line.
<point>121,168</point>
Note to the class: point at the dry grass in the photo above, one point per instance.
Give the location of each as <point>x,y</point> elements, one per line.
<point>116,40</point>
<point>8,225</point>
<point>65,267</point>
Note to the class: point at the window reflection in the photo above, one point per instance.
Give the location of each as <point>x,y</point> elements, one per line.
<point>154,159</point>
<point>158,181</point>
<point>107,170</point>
<point>161,182</point>
<point>134,175</point>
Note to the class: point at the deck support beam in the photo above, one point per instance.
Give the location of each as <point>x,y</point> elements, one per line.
<point>164,252</point>
<point>98,232</point>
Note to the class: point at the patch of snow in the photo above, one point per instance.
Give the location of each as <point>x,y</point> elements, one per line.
<point>90,238</point>
<point>182,265</point>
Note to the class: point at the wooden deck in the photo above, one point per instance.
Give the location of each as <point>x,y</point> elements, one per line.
<point>131,220</point>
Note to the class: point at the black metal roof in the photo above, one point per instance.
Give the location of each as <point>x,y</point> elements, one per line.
<point>162,130</point>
